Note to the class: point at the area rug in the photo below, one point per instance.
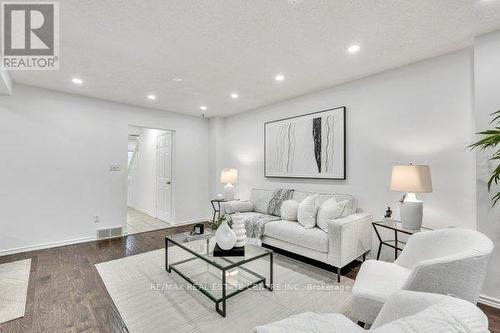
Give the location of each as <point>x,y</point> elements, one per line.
<point>14,279</point>
<point>151,300</point>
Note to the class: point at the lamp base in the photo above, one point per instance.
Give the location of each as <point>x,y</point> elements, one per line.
<point>229,192</point>
<point>412,213</point>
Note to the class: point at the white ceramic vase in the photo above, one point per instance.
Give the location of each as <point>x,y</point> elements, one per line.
<point>225,236</point>
<point>239,230</point>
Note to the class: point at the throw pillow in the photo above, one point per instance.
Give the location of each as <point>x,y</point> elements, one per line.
<point>289,210</point>
<point>329,210</point>
<point>306,213</point>
<point>350,208</point>
<point>231,207</point>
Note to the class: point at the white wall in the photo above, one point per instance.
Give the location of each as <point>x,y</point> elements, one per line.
<point>421,113</point>
<point>54,165</point>
<point>216,130</point>
<point>142,174</point>
<point>487,100</point>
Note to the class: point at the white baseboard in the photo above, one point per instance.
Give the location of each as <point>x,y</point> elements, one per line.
<point>199,220</point>
<point>491,301</point>
<point>78,240</point>
<point>50,245</point>
<point>46,245</point>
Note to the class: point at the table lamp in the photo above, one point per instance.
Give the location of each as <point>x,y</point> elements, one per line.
<point>411,179</point>
<point>229,177</point>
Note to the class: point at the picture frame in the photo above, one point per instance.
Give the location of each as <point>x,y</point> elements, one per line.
<point>310,146</point>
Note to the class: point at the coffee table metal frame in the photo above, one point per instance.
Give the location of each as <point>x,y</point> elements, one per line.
<point>232,264</point>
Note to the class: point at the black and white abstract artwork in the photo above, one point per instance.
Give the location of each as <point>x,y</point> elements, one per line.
<point>308,146</point>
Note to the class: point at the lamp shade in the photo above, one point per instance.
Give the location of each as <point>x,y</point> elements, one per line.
<point>228,176</point>
<point>411,178</point>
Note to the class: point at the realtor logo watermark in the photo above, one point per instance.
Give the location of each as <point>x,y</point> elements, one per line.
<point>30,34</point>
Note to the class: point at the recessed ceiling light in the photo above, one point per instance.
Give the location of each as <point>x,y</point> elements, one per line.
<point>176,79</point>
<point>234,95</point>
<point>353,48</point>
<point>152,97</point>
<point>76,80</point>
<point>279,77</point>
<point>203,108</point>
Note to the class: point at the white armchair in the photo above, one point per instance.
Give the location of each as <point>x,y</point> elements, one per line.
<point>446,261</point>
<point>404,311</point>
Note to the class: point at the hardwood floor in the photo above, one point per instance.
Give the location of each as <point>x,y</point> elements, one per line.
<point>66,294</point>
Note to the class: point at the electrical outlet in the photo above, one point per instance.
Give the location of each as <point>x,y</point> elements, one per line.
<point>97,219</point>
<point>114,167</point>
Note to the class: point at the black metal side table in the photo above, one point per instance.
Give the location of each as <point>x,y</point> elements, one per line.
<point>216,206</point>
<point>395,243</point>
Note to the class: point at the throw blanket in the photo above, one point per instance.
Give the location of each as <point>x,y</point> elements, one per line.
<point>255,225</point>
<point>280,195</point>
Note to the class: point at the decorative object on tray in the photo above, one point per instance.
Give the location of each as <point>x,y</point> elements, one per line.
<point>307,146</point>
<point>239,229</point>
<point>225,236</point>
<point>411,179</point>
<point>198,229</point>
<point>229,177</point>
<point>190,236</point>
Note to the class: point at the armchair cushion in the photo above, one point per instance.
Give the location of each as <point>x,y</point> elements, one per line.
<point>375,282</point>
<point>311,322</point>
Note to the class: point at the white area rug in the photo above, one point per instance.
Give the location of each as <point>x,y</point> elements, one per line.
<point>14,279</point>
<point>151,300</point>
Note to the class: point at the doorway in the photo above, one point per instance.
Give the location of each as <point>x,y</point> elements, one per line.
<point>149,179</point>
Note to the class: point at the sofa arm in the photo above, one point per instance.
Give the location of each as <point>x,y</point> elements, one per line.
<point>348,238</point>
<point>231,207</point>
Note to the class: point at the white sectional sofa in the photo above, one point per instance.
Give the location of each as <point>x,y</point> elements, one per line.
<point>347,238</point>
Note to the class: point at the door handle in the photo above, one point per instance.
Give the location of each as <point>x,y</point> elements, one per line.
<point>168,183</point>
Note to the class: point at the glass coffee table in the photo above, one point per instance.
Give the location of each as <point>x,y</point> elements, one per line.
<point>218,278</point>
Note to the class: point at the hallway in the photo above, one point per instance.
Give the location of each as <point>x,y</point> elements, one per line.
<point>138,222</point>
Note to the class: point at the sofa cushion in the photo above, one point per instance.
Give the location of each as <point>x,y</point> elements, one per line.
<point>289,210</point>
<point>329,210</point>
<point>260,199</point>
<point>292,232</point>
<point>350,209</point>
<point>306,213</point>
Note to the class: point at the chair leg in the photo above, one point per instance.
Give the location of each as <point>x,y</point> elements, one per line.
<point>360,323</point>
<point>338,274</point>
<point>364,256</point>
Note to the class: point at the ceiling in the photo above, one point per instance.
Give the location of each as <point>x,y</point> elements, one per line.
<point>125,50</point>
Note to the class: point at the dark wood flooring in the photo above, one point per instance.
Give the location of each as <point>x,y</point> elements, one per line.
<point>66,294</point>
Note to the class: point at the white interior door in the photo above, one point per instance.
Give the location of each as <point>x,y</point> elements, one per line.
<point>164,177</point>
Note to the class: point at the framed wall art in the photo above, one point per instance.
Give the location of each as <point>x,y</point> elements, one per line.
<point>307,146</point>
